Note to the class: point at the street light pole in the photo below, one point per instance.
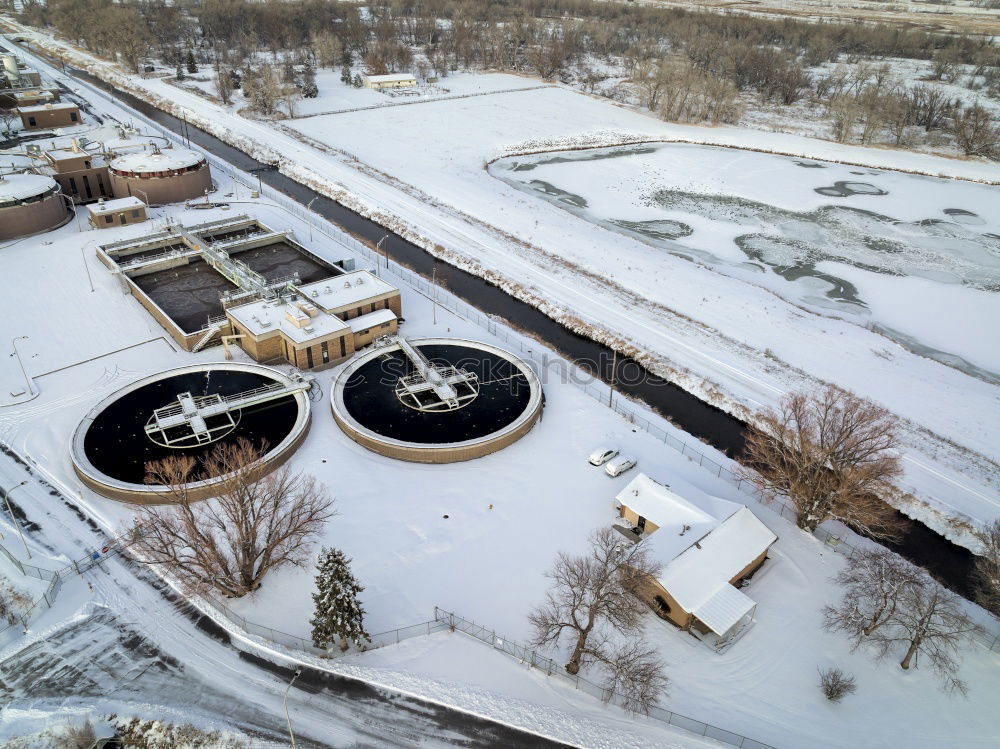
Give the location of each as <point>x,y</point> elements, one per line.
<point>291,735</point>
<point>6,496</point>
<point>378,250</point>
<point>309,208</point>
<point>17,354</point>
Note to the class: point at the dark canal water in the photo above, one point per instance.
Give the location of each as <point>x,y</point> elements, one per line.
<point>949,562</point>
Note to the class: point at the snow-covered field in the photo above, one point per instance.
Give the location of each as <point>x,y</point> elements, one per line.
<point>915,255</point>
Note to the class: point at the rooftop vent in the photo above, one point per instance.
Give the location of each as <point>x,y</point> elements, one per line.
<point>360,281</point>
<point>347,284</point>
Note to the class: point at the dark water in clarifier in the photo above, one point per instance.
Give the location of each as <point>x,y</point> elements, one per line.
<point>370,397</point>
<point>116,442</point>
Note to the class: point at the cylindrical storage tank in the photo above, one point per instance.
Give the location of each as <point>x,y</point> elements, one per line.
<point>160,177</point>
<point>30,203</point>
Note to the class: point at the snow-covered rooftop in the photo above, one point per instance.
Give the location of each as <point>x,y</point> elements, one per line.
<point>724,609</point>
<point>145,161</point>
<point>47,107</point>
<point>22,186</point>
<point>266,316</point>
<point>378,317</point>
<point>680,521</point>
<point>698,574</point>
<point>390,78</point>
<point>120,204</point>
<point>345,290</point>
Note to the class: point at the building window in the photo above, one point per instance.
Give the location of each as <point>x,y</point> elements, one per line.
<point>108,219</point>
<point>135,213</point>
<point>662,605</point>
<point>386,304</point>
<point>72,186</point>
<point>326,352</point>
<point>100,185</point>
<point>359,311</point>
<point>73,117</point>
<point>86,186</point>
<point>343,347</point>
<point>309,358</point>
<point>386,324</point>
<point>31,122</point>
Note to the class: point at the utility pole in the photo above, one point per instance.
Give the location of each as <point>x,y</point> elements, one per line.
<point>291,735</point>
<point>6,496</point>
<point>17,355</point>
<point>378,250</point>
<point>434,296</point>
<point>614,366</point>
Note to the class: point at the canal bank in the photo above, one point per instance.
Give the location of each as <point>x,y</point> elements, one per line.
<point>922,545</point>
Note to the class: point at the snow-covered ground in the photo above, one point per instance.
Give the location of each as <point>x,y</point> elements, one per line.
<point>483,563</point>
<point>713,334</point>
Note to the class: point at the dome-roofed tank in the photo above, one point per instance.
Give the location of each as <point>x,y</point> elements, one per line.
<point>159,176</point>
<point>30,203</point>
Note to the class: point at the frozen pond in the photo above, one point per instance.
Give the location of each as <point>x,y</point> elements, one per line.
<point>915,257</point>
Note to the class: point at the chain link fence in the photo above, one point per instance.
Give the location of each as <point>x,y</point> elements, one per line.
<point>531,657</point>
<point>24,618</point>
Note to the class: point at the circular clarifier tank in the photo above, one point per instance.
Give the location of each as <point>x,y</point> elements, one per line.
<point>436,400</point>
<point>187,411</point>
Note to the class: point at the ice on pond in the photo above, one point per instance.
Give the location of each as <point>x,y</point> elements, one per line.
<point>803,222</point>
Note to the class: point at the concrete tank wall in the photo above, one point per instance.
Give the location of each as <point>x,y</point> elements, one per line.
<point>21,219</point>
<point>172,188</point>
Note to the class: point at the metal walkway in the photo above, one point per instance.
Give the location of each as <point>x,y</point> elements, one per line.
<point>199,420</point>
<point>433,387</point>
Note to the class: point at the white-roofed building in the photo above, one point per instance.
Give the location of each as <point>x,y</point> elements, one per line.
<point>390,80</point>
<point>707,548</point>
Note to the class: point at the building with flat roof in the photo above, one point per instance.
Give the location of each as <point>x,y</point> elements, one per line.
<point>390,80</point>
<point>320,324</point>
<point>51,115</point>
<point>105,214</point>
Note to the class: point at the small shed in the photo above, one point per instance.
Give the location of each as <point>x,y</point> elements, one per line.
<point>47,116</point>
<point>391,80</point>
<point>105,214</point>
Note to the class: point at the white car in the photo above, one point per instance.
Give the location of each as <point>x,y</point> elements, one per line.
<point>602,455</point>
<point>619,465</point>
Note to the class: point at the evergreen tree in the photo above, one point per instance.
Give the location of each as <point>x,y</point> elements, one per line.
<point>309,89</point>
<point>192,66</point>
<point>339,614</point>
<point>345,74</point>
<point>357,82</point>
<point>179,74</point>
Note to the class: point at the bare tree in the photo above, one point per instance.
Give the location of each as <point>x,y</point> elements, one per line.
<point>873,582</point>
<point>975,132</point>
<point>591,600</point>
<point>929,621</point>
<point>987,572</point>
<point>830,454</point>
<point>224,86</point>
<point>258,522</point>
<point>836,684</point>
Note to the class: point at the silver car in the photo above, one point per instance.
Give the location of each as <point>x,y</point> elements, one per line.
<point>602,455</point>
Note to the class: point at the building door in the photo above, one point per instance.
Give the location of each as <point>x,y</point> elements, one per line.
<point>121,218</point>
<point>642,523</point>
<point>326,352</point>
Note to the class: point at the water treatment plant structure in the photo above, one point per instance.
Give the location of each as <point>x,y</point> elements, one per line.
<point>29,204</point>
<point>188,411</point>
<point>436,400</point>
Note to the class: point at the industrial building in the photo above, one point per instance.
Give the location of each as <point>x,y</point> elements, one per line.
<point>106,214</point>
<point>49,116</point>
<point>30,203</point>
<point>238,282</point>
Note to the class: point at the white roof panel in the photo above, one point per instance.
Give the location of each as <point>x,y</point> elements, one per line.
<point>695,576</point>
<point>372,319</point>
<point>724,609</point>
<point>345,290</point>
